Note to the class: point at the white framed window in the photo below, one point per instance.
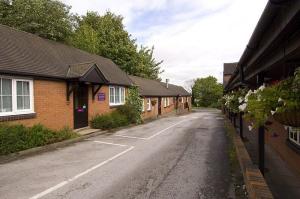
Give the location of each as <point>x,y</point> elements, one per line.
<point>143,105</point>
<point>116,95</point>
<point>165,102</point>
<point>168,101</point>
<point>294,135</point>
<point>181,99</point>
<point>148,104</point>
<point>187,99</point>
<point>16,96</point>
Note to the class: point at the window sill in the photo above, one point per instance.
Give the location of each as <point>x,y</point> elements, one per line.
<point>23,116</point>
<point>293,146</point>
<point>149,110</point>
<point>115,105</point>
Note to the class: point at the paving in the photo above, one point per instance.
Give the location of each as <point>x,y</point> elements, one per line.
<point>174,157</point>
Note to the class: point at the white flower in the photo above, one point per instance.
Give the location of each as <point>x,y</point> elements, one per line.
<point>259,98</point>
<point>241,99</point>
<point>273,112</point>
<point>250,128</point>
<point>262,87</point>
<point>242,107</point>
<point>280,99</point>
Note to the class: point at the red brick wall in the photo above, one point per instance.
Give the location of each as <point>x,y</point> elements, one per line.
<point>99,107</point>
<point>276,137</point>
<point>154,109</point>
<point>168,109</point>
<point>50,105</point>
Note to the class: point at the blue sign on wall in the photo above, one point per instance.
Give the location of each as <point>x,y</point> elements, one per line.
<point>101,96</point>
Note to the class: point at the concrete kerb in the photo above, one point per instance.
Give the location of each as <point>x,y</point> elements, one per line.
<point>256,185</point>
<point>46,148</point>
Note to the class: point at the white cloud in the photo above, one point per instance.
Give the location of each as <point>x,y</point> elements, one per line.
<point>194,38</point>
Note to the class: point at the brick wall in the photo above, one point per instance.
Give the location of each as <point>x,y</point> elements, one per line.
<point>50,105</point>
<point>276,137</point>
<point>167,109</point>
<point>154,109</point>
<point>99,107</point>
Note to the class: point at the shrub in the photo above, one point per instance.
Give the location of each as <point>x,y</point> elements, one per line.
<point>109,121</point>
<point>15,138</point>
<point>134,101</point>
<point>128,111</point>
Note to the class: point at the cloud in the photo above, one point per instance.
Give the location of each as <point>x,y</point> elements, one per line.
<point>194,38</point>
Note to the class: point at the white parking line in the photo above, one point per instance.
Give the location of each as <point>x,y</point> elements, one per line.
<point>152,136</point>
<point>61,184</point>
<point>160,132</point>
<point>109,143</point>
<point>133,137</point>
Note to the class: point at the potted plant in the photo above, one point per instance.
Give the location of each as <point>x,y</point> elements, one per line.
<point>288,110</point>
<point>153,102</point>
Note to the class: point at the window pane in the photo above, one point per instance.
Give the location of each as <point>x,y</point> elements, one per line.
<point>25,88</point>
<point>19,88</point>
<point>122,95</point>
<point>26,102</point>
<point>19,102</point>
<point>6,87</point>
<point>111,95</point>
<point>117,95</point>
<point>7,104</point>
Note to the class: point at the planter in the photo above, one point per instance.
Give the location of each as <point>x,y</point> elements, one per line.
<point>288,118</point>
<point>153,102</point>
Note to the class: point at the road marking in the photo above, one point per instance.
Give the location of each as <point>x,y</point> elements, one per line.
<point>160,132</point>
<point>61,184</point>
<point>109,143</point>
<point>133,137</point>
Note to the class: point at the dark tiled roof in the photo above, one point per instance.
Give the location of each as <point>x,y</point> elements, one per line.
<point>229,68</point>
<point>28,54</point>
<point>148,87</point>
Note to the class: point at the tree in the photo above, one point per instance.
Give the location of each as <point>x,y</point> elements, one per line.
<point>207,92</point>
<point>47,18</point>
<point>106,36</point>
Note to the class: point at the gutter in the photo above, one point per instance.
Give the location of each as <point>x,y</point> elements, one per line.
<point>265,20</point>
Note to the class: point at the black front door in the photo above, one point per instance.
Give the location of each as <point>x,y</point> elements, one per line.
<point>159,106</point>
<point>81,106</point>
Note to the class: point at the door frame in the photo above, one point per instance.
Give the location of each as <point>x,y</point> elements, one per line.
<point>86,115</point>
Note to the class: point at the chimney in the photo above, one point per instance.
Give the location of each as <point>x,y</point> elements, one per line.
<point>167,82</point>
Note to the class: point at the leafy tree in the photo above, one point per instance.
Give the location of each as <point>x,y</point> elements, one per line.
<point>47,18</point>
<point>106,36</point>
<point>207,92</point>
<point>86,38</point>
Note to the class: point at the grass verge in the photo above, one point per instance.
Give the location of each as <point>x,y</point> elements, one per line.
<point>236,173</point>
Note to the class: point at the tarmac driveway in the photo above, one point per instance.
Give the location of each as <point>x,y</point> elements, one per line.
<point>174,157</point>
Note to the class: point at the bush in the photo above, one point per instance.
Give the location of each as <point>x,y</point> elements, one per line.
<point>128,111</point>
<point>15,138</point>
<point>109,121</point>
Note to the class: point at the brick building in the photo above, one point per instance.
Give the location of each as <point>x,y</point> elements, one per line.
<point>161,98</point>
<point>272,54</point>
<point>46,82</point>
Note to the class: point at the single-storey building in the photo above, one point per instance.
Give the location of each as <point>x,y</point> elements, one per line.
<point>46,82</point>
<point>42,81</point>
<point>161,98</point>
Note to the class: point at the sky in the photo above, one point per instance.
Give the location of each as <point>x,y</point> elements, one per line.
<point>192,37</point>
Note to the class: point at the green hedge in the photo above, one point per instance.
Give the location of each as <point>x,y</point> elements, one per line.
<point>109,121</point>
<point>15,138</point>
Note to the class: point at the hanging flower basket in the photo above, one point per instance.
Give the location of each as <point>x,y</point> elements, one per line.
<point>153,102</point>
<point>288,118</point>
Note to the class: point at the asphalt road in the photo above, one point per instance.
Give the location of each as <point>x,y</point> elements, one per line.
<point>176,157</point>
